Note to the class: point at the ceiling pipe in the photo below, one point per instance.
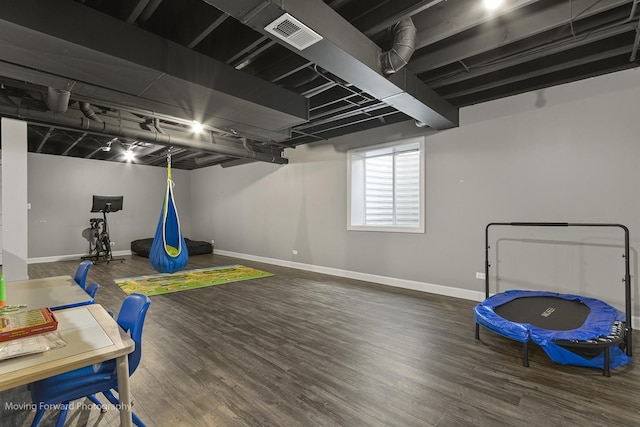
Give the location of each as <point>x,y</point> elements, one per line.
<point>636,41</point>
<point>108,129</point>
<point>156,126</point>
<point>404,43</point>
<point>85,107</point>
<point>57,100</point>
<point>235,162</point>
<point>212,158</point>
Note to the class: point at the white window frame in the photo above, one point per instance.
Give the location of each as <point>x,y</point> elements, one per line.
<point>355,188</point>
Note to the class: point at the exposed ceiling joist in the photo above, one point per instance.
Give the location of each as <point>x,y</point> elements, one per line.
<point>45,138</point>
<point>372,23</point>
<point>535,54</point>
<point>550,68</point>
<point>149,9</point>
<point>136,10</point>
<point>520,27</point>
<point>446,20</point>
<point>151,65</point>
<point>348,54</point>
<point>76,142</point>
<point>215,24</point>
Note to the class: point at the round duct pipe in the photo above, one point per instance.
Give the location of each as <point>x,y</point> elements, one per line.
<point>103,128</point>
<point>211,158</point>
<point>57,100</point>
<point>404,42</point>
<point>85,107</point>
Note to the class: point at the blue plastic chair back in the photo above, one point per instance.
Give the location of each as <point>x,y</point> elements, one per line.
<point>82,272</point>
<point>131,318</point>
<point>92,289</point>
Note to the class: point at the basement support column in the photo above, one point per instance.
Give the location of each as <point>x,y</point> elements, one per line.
<point>14,200</point>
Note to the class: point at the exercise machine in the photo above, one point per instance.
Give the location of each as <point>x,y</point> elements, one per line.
<point>99,241</point>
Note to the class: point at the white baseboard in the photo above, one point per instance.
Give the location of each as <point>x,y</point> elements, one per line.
<point>70,257</point>
<point>384,280</point>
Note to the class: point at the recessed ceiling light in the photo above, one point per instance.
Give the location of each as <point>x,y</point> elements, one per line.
<point>129,155</point>
<point>196,127</point>
<point>492,4</point>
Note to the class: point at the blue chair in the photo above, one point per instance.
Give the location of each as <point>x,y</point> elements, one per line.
<point>82,272</point>
<point>90,380</point>
<point>92,289</point>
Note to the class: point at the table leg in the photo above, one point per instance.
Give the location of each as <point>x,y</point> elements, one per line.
<point>122,367</point>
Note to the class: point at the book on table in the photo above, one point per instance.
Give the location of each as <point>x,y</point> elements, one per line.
<point>19,324</point>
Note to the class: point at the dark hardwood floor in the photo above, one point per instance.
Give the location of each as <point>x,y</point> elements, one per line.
<point>307,349</point>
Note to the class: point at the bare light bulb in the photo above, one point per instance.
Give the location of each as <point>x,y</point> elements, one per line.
<point>196,127</point>
<point>492,4</point>
<point>129,155</point>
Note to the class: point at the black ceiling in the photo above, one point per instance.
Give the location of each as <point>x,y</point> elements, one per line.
<point>93,75</point>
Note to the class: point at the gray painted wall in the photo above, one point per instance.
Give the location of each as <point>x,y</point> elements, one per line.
<point>568,153</point>
<point>564,154</point>
<point>60,192</point>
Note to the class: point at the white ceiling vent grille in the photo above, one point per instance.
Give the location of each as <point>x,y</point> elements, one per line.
<point>293,32</point>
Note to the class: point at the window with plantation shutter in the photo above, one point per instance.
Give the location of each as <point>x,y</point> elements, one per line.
<point>386,187</point>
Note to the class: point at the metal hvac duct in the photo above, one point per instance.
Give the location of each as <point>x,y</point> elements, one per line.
<point>57,100</point>
<point>404,43</point>
<point>348,54</point>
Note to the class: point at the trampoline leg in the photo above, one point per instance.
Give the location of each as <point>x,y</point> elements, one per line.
<point>607,356</point>
<point>525,354</point>
<point>477,331</point>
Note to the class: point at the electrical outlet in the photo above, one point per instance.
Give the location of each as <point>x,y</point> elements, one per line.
<point>212,242</point>
<point>295,252</point>
<point>480,276</point>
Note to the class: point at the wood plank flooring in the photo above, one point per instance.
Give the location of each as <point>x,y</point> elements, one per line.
<point>306,349</point>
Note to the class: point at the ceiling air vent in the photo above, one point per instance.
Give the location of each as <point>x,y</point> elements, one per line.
<point>293,32</point>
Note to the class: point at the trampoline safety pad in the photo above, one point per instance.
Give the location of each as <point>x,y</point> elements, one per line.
<point>555,321</point>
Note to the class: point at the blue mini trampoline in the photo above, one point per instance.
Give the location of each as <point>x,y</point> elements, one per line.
<point>571,329</point>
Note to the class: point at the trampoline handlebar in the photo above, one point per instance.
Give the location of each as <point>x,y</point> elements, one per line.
<point>541,224</point>
<point>558,224</point>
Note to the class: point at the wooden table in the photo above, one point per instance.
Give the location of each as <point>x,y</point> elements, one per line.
<point>54,292</point>
<point>92,336</point>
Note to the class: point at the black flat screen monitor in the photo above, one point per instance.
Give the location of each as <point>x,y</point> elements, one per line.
<point>106,203</point>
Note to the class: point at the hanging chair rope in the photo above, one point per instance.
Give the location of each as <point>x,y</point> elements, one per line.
<point>170,248</point>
